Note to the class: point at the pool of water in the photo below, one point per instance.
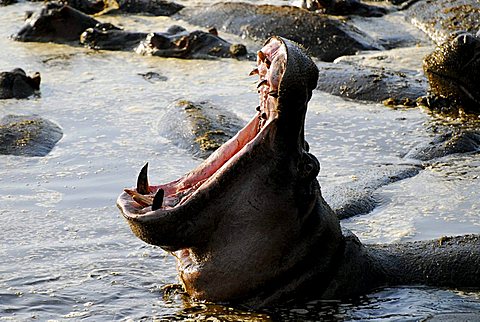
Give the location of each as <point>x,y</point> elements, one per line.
<point>66,252</point>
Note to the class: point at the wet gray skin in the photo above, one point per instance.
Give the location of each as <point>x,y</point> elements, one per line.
<point>453,71</point>
<point>325,37</point>
<point>55,22</point>
<point>343,7</point>
<point>249,225</point>
<point>16,84</point>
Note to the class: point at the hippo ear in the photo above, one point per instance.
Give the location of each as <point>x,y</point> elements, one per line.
<point>28,14</point>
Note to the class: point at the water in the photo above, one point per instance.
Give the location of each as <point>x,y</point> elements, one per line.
<point>67,254</point>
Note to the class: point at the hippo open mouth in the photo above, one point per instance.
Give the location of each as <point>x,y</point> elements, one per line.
<point>262,182</point>
<point>147,202</point>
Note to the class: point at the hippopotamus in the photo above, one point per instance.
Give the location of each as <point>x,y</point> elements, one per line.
<point>453,71</point>
<point>439,18</point>
<point>150,7</point>
<point>55,22</point>
<point>175,42</point>
<point>28,135</point>
<point>343,7</point>
<point>16,84</point>
<point>249,225</point>
<point>325,37</point>
<point>205,127</point>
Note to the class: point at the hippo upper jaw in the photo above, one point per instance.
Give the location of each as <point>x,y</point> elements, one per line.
<point>255,204</point>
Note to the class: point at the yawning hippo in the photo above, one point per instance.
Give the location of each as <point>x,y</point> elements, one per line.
<point>249,225</point>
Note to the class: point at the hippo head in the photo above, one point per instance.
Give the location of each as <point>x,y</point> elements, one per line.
<point>56,22</point>
<point>247,220</point>
<point>453,70</point>
<point>177,42</point>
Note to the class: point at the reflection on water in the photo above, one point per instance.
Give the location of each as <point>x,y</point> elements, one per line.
<point>67,253</point>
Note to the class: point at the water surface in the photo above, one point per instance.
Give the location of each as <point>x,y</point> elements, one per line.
<point>66,252</point>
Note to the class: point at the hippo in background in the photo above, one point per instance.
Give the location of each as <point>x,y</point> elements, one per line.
<point>16,84</point>
<point>325,37</point>
<point>343,7</point>
<point>55,22</point>
<point>176,41</point>
<point>148,7</point>
<point>28,135</point>
<point>453,71</point>
<point>250,226</point>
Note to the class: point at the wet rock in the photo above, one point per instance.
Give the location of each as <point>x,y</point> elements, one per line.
<point>324,37</point>
<point>55,22</point>
<point>198,127</point>
<point>370,84</point>
<point>439,18</point>
<point>28,135</point>
<point>16,84</point>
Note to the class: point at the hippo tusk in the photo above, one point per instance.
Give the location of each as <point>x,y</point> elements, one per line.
<point>142,181</point>
<point>158,200</point>
<point>253,72</point>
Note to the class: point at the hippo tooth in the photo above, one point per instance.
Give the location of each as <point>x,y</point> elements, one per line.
<point>253,72</point>
<point>158,200</point>
<point>262,82</point>
<point>142,200</point>
<point>142,181</point>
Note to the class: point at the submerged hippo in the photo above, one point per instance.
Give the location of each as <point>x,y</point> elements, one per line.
<point>175,42</point>
<point>324,37</point>
<point>439,18</point>
<point>28,135</point>
<point>16,84</point>
<point>453,71</point>
<point>249,225</point>
<point>343,7</point>
<point>55,22</point>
